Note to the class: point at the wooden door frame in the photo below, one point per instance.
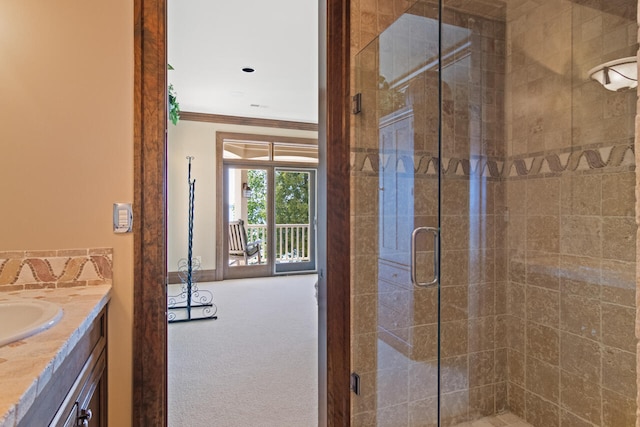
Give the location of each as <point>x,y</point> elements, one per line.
<point>150,272</point>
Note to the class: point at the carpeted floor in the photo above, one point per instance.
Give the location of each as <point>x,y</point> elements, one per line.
<point>256,365</point>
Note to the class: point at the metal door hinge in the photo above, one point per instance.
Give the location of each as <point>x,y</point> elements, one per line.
<point>356,103</point>
<point>355,383</point>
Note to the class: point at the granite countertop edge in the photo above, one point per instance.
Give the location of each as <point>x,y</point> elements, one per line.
<point>47,350</point>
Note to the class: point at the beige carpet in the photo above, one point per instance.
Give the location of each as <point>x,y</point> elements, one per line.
<point>256,365</point>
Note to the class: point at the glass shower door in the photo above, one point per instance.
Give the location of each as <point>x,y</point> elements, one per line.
<point>429,325</point>
<point>395,199</point>
<point>483,120</point>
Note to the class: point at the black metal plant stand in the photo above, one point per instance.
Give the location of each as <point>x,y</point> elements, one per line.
<point>191,302</point>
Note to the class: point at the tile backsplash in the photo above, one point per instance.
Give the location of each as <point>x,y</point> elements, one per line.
<point>55,268</point>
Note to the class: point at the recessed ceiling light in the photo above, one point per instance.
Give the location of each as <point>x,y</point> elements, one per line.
<point>248,69</point>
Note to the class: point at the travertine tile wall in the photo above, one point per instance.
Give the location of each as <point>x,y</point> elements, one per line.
<point>571,291</point>
<point>20,270</point>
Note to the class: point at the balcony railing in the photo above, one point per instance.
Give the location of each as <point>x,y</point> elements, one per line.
<point>291,240</point>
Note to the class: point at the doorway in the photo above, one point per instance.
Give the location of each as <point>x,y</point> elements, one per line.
<point>269,201</point>
<point>150,329</point>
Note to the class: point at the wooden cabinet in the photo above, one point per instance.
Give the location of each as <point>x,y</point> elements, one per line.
<point>76,395</point>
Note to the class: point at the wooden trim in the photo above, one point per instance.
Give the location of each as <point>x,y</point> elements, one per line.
<point>249,137</point>
<point>220,232</point>
<point>173,277</point>
<point>337,276</point>
<point>149,295</point>
<point>247,121</point>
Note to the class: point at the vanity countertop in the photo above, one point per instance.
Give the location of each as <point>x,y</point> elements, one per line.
<point>27,365</point>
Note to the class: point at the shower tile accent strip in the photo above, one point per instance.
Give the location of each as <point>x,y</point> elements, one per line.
<point>20,270</point>
<point>550,163</point>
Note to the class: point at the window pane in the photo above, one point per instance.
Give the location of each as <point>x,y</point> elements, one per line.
<point>246,150</point>
<point>295,153</point>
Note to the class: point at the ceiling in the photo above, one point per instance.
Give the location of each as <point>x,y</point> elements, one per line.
<point>211,41</point>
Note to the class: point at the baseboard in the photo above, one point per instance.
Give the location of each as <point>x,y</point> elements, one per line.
<point>203,276</point>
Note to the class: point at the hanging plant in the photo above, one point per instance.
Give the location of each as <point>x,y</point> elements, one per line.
<point>174,106</point>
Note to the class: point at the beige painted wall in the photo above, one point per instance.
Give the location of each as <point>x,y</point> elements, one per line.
<point>66,145</point>
<point>198,139</point>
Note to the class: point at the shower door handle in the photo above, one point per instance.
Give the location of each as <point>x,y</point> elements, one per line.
<point>436,256</point>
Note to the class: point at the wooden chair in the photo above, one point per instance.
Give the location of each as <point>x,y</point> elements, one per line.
<point>238,245</point>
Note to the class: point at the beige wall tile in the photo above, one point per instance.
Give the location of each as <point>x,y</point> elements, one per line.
<point>543,343</point>
<point>580,397</point>
<point>482,300</point>
<point>364,349</point>
<point>516,399</point>
<point>543,379</point>
<point>619,371</point>
<point>364,314</point>
<point>423,380</point>
<point>454,303</point>
<point>618,410</point>
<point>543,306</point>
<point>516,367</point>
<point>515,337</point>
<point>581,236</point>
<point>393,388</point>
<point>581,357</point>
<point>481,368</point>
<point>423,413</point>
<point>424,340</point>
<point>540,412</point>
<point>455,373</point>
<point>516,300</point>
<point>567,419</point>
<point>455,407</point>
<point>618,197</point>
<point>581,316</point>
<point>481,334</point>
<point>543,234</point>
<point>542,270</point>
<point>543,197</point>
<point>615,327</point>
<point>455,338</point>
<point>618,238</point>
<point>581,195</point>
<point>482,401</point>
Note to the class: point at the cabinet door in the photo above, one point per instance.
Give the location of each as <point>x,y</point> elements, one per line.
<point>70,421</point>
<point>92,402</point>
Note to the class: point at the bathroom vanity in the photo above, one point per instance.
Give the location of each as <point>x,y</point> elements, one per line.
<point>59,377</point>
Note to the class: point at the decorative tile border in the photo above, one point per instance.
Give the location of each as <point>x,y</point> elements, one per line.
<point>55,269</point>
<point>578,160</point>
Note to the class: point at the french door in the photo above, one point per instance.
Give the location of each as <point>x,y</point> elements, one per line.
<point>269,213</point>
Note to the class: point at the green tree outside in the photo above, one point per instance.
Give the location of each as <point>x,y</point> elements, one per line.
<point>257,203</point>
<point>291,198</point>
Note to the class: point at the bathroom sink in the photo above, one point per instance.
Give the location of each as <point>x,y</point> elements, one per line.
<point>22,318</point>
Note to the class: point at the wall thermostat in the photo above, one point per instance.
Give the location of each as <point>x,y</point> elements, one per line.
<point>122,218</point>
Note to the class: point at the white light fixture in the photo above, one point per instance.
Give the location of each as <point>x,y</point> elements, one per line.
<point>618,75</point>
